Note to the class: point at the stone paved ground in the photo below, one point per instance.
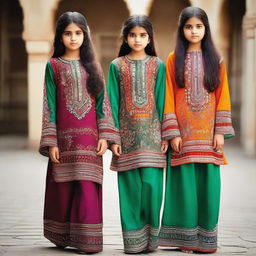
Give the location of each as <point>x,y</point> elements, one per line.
<point>22,180</point>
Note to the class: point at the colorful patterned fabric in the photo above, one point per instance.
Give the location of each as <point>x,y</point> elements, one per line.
<point>136,90</point>
<point>191,207</point>
<point>73,214</point>
<point>195,114</point>
<point>140,197</point>
<point>74,121</point>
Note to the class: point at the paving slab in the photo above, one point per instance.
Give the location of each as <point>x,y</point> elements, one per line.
<point>22,184</point>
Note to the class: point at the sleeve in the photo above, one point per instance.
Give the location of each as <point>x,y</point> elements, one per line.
<point>106,109</point>
<point>160,91</point>
<point>170,127</point>
<point>223,122</point>
<point>49,134</point>
<point>106,127</point>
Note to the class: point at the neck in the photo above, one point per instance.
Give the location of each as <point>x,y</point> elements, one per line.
<point>137,55</point>
<point>195,47</point>
<point>71,55</point>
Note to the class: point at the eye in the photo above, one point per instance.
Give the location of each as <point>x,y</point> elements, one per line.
<point>144,35</point>
<point>131,35</point>
<point>67,33</point>
<point>187,26</point>
<point>199,26</point>
<point>79,32</point>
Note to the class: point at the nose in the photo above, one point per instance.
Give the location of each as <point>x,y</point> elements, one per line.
<point>73,37</point>
<point>137,39</point>
<point>193,30</point>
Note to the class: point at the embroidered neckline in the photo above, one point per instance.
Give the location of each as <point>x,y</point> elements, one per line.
<point>67,61</point>
<point>141,60</point>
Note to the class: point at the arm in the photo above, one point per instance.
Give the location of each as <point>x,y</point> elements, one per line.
<point>49,135</point>
<point>106,126</point>
<point>113,93</point>
<point>223,122</point>
<point>170,128</point>
<point>160,97</point>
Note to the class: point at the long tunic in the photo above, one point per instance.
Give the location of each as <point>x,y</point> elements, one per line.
<point>73,120</point>
<point>195,114</point>
<point>136,90</point>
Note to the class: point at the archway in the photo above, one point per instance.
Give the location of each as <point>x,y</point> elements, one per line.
<point>13,70</point>
<point>231,16</point>
<point>164,16</point>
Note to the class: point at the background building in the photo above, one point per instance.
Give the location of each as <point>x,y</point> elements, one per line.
<point>27,28</point>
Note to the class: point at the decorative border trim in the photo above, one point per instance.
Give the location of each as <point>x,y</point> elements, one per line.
<point>196,239</point>
<point>170,127</point>
<point>223,124</point>
<point>85,237</point>
<point>138,159</point>
<point>136,241</point>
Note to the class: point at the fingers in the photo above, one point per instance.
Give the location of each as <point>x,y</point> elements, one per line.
<point>214,143</point>
<point>98,146</point>
<point>164,148</point>
<point>55,156</point>
<point>116,149</point>
<point>180,145</point>
<point>102,147</point>
<point>218,143</point>
<point>176,144</point>
<point>175,147</point>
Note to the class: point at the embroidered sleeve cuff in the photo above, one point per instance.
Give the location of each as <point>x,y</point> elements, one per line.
<point>170,127</point>
<point>108,131</point>
<point>223,124</point>
<point>48,139</point>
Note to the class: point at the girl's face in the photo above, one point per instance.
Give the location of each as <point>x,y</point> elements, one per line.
<point>194,30</point>
<point>72,37</point>
<point>138,39</point>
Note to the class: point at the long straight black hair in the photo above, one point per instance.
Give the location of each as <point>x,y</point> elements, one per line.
<point>140,21</point>
<point>87,56</point>
<point>211,58</point>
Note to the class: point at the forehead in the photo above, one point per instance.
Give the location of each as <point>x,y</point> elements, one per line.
<point>194,21</point>
<point>72,27</point>
<point>138,30</point>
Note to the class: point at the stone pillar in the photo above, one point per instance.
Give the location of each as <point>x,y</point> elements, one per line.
<point>248,109</point>
<point>138,6</point>
<point>38,34</point>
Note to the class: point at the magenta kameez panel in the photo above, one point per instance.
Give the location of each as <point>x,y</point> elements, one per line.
<point>76,124</point>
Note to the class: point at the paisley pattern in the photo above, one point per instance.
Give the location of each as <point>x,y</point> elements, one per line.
<point>197,96</point>
<point>78,100</point>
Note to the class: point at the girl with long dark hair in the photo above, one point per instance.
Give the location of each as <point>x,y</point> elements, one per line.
<point>136,89</point>
<point>197,118</point>
<point>76,123</point>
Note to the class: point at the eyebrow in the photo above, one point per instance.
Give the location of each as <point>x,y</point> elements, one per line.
<point>195,24</point>
<point>72,31</point>
<point>142,33</point>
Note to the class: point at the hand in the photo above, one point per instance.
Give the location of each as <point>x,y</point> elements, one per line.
<point>218,142</point>
<point>54,154</point>
<point>164,146</point>
<point>176,144</point>
<point>116,149</point>
<point>102,147</point>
